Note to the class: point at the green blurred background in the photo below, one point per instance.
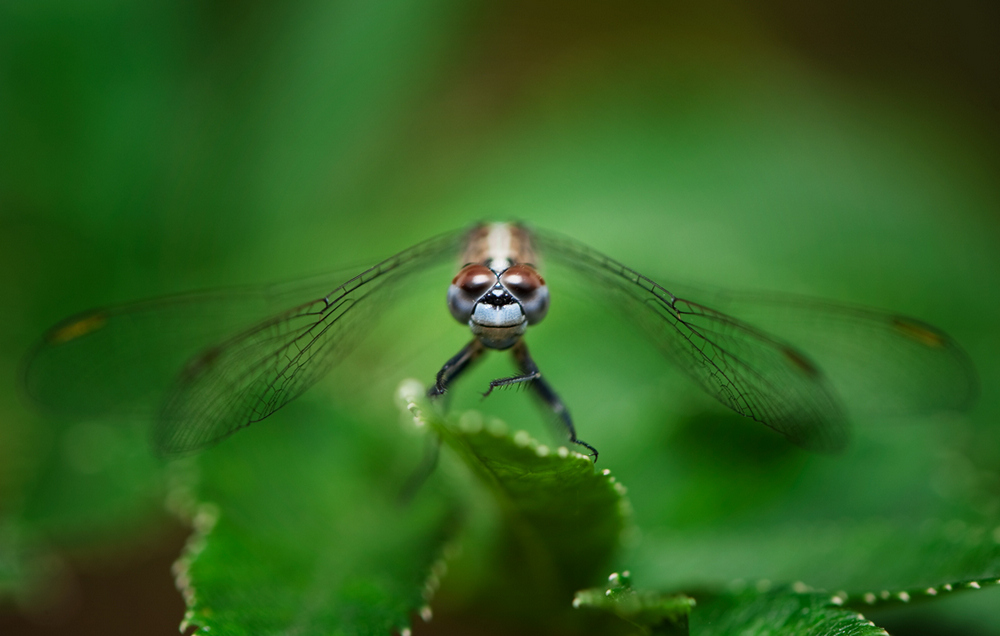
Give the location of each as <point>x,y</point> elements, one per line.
<point>848,151</point>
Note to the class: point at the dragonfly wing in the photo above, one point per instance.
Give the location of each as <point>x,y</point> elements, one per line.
<point>243,380</point>
<point>747,369</point>
<point>881,362</point>
<point>252,375</point>
<point>121,360</point>
<point>181,352</point>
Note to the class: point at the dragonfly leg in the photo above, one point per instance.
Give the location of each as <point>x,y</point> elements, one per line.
<point>454,367</point>
<point>500,383</point>
<point>542,388</point>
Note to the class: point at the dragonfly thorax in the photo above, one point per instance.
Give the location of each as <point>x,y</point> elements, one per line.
<point>498,305</point>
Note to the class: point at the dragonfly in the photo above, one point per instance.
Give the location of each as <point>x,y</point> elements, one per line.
<point>768,364</point>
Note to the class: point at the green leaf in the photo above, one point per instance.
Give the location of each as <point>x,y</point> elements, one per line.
<point>652,612</point>
<point>926,562</point>
<point>864,562</point>
<point>300,528</point>
<point>777,613</point>
<point>562,519</point>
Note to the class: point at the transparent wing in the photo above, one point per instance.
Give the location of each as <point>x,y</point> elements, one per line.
<point>122,359</point>
<point>880,362</point>
<point>214,362</point>
<point>771,379</point>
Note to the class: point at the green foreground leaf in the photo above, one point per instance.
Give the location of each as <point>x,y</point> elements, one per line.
<point>299,530</point>
<point>651,612</point>
<point>781,612</point>
<point>864,563</point>
<point>562,519</point>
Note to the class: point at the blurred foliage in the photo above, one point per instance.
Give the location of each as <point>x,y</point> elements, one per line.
<point>848,152</point>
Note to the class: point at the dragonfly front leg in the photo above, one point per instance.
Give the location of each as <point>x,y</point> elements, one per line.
<point>454,367</point>
<point>524,376</point>
<point>530,373</point>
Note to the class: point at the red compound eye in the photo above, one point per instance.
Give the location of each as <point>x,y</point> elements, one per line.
<point>475,280</point>
<point>522,279</point>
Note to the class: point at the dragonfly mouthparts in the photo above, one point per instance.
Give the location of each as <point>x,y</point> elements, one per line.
<point>494,312</point>
<point>498,320</point>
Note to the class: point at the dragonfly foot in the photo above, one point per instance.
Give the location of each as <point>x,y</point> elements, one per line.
<point>436,391</point>
<point>593,451</point>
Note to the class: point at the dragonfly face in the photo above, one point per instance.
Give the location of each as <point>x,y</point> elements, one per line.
<point>498,304</point>
<point>213,363</point>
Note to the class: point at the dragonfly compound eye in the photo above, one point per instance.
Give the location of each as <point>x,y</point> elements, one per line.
<point>528,287</point>
<point>471,283</point>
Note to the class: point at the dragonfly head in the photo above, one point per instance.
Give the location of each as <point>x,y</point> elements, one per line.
<point>498,306</point>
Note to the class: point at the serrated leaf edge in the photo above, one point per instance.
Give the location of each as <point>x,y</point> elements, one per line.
<point>204,520</point>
